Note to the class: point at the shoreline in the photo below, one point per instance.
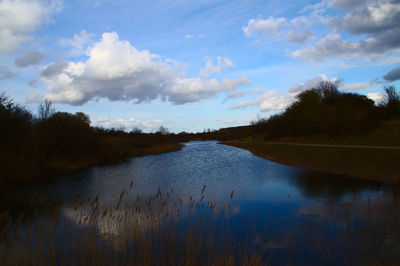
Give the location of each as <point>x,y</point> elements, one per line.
<point>146,151</point>
<point>366,163</point>
<point>57,168</point>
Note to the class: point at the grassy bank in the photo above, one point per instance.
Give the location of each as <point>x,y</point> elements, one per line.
<point>58,167</point>
<point>377,164</point>
<point>18,167</point>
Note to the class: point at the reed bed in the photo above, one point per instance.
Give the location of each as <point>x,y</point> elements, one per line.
<point>167,229</point>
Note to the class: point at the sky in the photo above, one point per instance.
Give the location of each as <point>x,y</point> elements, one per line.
<point>192,65</point>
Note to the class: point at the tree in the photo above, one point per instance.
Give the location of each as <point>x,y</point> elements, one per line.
<point>83,117</point>
<point>45,110</point>
<point>136,131</point>
<point>328,90</point>
<point>392,96</point>
<point>163,130</point>
<point>391,101</point>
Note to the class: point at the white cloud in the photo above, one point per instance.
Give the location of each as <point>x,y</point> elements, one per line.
<point>54,69</point>
<point>275,101</point>
<point>391,61</point>
<point>235,94</point>
<point>118,71</point>
<point>299,36</point>
<point>331,45</point>
<point>192,36</point>
<point>30,58</point>
<point>377,97</point>
<point>256,91</point>
<point>34,97</point>
<point>184,90</point>
<point>10,41</point>
<point>128,124</point>
<point>339,82</point>
<point>300,22</point>
<point>233,122</point>
<point>267,27</point>
<point>372,17</point>
<point>269,101</point>
<point>78,42</point>
<point>376,23</point>
<point>358,86</point>
<point>308,85</point>
<point>222,63</point>
<point>19,18</point>
<point>346,4</point>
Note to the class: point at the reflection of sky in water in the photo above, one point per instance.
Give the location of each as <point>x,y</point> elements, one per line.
<point>262,189</point>
<point>221,168</point>
<point>269,196</point>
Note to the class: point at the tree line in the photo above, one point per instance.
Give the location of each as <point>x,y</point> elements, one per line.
<point>51,142</point>
<point>325,110</point>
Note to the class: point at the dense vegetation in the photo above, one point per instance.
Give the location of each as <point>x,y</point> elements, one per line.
<point>53,142</point>
<point>327,111</point>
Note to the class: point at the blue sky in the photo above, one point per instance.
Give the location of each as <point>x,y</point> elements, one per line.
<point>191,65</point>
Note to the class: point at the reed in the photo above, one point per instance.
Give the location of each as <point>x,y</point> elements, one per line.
<point>169,229</point>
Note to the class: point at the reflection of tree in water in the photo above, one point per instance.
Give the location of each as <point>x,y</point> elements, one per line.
<point>316,184</point>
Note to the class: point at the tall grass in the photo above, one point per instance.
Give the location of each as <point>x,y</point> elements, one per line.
<point>167,229</point>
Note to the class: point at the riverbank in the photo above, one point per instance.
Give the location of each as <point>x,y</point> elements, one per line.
<point>118,150</point>
<point>157,148</point>
<point>368,163</point>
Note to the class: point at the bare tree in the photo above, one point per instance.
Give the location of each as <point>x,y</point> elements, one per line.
<point>392,96</point>
<point>136,131</point>
<point>328,90</point>
<point>391,101</point>
<point>46,110</point>
<point>163,130</point>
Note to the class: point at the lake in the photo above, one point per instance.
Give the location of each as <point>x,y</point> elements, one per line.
<point>255,208</point>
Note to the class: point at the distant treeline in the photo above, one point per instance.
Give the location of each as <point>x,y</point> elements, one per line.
<point>325,110</point>
<point>52,143</point>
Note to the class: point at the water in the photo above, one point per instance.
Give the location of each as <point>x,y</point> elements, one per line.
<point>283,205</point>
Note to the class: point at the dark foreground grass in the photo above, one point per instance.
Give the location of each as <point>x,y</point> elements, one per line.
<point>377,164</point>
<point>163,229</point>
<point>166,229</point>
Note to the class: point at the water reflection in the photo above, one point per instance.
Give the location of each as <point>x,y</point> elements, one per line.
<point>223,169</point>
<point>330,186</point>
<point>283,205</point>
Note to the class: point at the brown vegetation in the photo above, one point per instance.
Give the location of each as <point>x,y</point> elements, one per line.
<point>377,164</point>
<point>166,229</point>
<point>325,115</point>
<point>53,143</point>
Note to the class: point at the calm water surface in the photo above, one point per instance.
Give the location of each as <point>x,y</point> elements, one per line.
<point>272,198</point>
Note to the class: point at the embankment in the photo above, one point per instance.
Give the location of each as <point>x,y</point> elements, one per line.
<point>370,163</point>
<point>116,150</point>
